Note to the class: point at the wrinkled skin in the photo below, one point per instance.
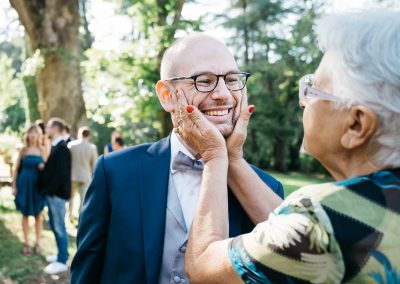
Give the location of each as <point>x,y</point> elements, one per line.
<point>203,137</point>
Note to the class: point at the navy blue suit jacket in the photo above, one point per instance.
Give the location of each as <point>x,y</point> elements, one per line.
<point>122,223</point>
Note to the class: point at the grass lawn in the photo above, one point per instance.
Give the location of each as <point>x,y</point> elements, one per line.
<point>293,181</point>
<point>17,268</point>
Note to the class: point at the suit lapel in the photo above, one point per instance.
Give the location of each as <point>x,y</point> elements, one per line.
<point>235,215</point>
<point>154,189</point>
<point>175,208</point>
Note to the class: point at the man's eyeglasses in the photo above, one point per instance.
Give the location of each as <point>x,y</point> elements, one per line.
<point>306,91</point>
<point>208,82</point>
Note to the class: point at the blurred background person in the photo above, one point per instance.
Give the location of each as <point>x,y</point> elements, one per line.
<point>45,142</point>
<point>28,199</point>
<point>114,145</point>
<point>57,188</point>
<point>67,134</point>
<point>119,144</point>
<point>84,156</point>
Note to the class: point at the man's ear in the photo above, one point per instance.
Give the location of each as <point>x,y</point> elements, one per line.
<point>361,126</point>
<point>164,90</point>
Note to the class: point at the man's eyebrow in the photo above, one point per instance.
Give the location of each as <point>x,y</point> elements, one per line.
<point>209,72</point>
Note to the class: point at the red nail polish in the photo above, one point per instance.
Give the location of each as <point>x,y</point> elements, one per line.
<point>252,108</point>
<point>189,109</point>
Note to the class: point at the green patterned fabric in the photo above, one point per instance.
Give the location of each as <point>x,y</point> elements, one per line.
<point>343,232</point>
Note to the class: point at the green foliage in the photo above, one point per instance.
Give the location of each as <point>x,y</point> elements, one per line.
<point>12,97</point>
<point>9,143</point>
<point>13,49</point>
<point>14,264</point>
<point>274,42</point>
<point>117,98</point>
<point>121,85</point>
<point>31,92</point>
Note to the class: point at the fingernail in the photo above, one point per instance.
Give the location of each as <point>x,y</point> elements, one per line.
<point>252,108</point>
<point>189,108</point>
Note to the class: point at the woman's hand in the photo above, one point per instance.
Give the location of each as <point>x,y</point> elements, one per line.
<point>196,131</point>
<point>236,140</point>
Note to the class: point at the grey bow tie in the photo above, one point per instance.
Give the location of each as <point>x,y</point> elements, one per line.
<point>184,163</point>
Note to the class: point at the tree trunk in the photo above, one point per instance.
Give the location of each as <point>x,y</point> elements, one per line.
<point>59,86</point>
<point>280,155</point>
<point>245,34</point>
<point>53,28</point>
<point>294,155</point>
<point>166,123</point>
<point>29,80</point>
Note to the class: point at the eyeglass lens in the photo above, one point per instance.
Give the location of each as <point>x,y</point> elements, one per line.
<point>305,82</point>
<point>208,82</point>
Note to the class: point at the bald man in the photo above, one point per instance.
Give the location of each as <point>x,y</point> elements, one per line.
<point>139,207</point>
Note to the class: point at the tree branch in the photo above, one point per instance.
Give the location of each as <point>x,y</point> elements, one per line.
<point>25,13</point>
<point>178,12</point>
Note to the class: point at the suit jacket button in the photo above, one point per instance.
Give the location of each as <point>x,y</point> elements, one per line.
<point>182,249</point>
<point>177,279</point>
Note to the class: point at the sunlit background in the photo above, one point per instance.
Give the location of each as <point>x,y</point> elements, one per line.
<point>119,70</point>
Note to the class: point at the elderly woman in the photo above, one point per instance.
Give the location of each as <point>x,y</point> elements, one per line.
<point>346,231</point>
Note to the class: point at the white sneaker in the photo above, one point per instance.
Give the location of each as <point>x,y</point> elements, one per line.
<point>51,258</point>
<point>55,268</point>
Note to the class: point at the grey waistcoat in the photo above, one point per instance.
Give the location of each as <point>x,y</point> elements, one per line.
<point>175,240</point>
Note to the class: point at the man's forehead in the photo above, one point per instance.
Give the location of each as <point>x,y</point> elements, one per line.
<point>197,53</point>
<point>207,59</point>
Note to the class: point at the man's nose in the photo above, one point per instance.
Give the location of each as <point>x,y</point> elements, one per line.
<point>221,91</point>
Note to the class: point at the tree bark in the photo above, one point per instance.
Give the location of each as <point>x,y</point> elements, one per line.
<point>280,163</point>
<point>245,34</point>
<point>53,27</point>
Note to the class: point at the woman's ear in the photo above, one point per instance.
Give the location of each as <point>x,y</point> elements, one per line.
<point>361,126</point>
<point>164,93</point>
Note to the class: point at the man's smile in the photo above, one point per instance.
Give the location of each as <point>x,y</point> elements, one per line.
<point>219,114</point>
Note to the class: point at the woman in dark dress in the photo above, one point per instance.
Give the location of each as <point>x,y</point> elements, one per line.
<point>28,199</point>
<point>115,142</point>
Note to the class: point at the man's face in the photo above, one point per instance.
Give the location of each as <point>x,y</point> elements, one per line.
<point>218,106</point>
<point>50,130</point>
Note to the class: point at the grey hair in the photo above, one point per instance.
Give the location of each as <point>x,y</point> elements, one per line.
<point>368,71</point>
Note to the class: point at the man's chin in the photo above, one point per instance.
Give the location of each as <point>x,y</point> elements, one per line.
<point>225,130</point>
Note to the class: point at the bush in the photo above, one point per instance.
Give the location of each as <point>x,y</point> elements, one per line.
<point>9,145</point>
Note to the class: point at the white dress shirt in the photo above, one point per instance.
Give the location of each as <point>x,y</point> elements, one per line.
<point>187,183</point>
<point>57,140</point>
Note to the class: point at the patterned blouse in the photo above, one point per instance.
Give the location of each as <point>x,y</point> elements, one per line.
<point>343,232</point>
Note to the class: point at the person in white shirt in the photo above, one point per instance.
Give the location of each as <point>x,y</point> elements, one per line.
<point>84,156</point>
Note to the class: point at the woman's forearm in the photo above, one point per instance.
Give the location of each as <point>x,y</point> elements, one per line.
<point>210,223</point>
<point>211,220</point>
<point>254,195</point>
